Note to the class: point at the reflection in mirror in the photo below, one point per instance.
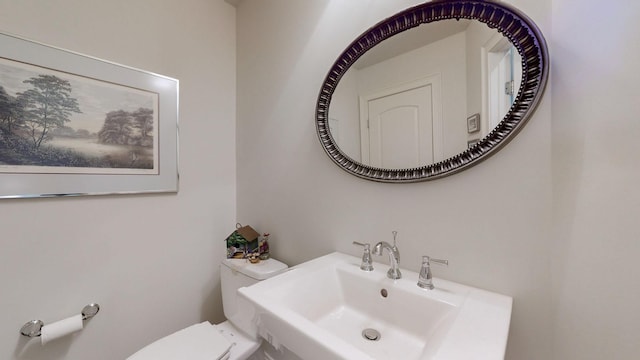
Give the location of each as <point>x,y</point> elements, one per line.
<point>424,95</point>
<point>482,91</point>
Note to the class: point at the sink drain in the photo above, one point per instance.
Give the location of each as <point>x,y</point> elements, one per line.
<point>371,334</point>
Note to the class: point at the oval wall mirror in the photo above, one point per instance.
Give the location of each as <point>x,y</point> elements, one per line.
<point>432,90</point>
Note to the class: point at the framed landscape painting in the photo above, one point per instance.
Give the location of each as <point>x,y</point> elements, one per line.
<point>71,124</point>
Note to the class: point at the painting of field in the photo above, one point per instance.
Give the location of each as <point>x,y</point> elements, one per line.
<point>56,122</point>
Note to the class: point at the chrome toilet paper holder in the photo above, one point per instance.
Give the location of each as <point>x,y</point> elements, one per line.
<point>34,327</point>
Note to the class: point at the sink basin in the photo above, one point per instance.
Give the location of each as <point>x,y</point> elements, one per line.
<point>328,308</point>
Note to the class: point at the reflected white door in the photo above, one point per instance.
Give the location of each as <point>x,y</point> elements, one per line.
<point>404,128</point>
<point>504,82</point>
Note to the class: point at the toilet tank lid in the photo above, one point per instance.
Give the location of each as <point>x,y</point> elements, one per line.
<point>259,271</point>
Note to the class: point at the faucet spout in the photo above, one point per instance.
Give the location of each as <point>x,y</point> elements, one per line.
<point>394,258</point>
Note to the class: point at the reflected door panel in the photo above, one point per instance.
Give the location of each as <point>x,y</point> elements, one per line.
<point>401,129</point>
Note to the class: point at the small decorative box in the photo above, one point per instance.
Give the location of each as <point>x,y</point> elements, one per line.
<point>243,241</point>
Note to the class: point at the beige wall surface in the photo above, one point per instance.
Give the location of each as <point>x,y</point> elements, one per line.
<point>596,87</point>
<point>492,222</point>
<point>150,261</point>
<point>549,220</point>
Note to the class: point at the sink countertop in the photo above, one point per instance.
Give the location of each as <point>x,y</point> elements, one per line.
<point>312,308</point>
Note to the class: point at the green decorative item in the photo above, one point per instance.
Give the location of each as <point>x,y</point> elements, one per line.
<point>241,242</point>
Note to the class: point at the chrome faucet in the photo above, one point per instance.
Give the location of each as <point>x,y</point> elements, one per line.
<point>366,264</point>
<point>425,279</point>
<point>394,256</point>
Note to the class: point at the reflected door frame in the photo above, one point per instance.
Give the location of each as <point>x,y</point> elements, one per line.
<point>435,82</point>
<point>497,44</point>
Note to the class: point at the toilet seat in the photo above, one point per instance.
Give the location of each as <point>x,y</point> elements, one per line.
<point>234,339</point>
<point>198,342</point>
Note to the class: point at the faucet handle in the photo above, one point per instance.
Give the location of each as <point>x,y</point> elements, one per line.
<point>425,279</point>
<point>439,261</point>
<point>367,263</point>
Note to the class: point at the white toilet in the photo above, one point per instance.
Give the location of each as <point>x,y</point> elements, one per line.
<point>229,340</point>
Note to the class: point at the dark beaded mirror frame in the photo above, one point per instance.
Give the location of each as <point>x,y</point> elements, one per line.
<point>513,24</point>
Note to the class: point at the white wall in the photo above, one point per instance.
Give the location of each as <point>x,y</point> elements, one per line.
<point>596,87</point>
<point>149,260</point>
<point>492,222</point>
<point>550,220</point>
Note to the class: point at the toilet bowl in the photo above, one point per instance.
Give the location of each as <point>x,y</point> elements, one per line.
<point>233,339</point>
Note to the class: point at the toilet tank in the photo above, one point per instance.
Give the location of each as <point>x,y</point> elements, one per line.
<point>237,273</point>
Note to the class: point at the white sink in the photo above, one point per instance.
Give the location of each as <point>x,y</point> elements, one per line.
<point>319,310</point>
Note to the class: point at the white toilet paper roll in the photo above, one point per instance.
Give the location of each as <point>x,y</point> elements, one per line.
<point>61,328</point>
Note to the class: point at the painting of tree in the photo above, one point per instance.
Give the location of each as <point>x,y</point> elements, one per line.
<point>143,121</point>
<point>127,128</point>
<point>11,111</point>
<point>116,129</point>
<point>52,119</point>
<point>72,125</point>
<point>47,106</point>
